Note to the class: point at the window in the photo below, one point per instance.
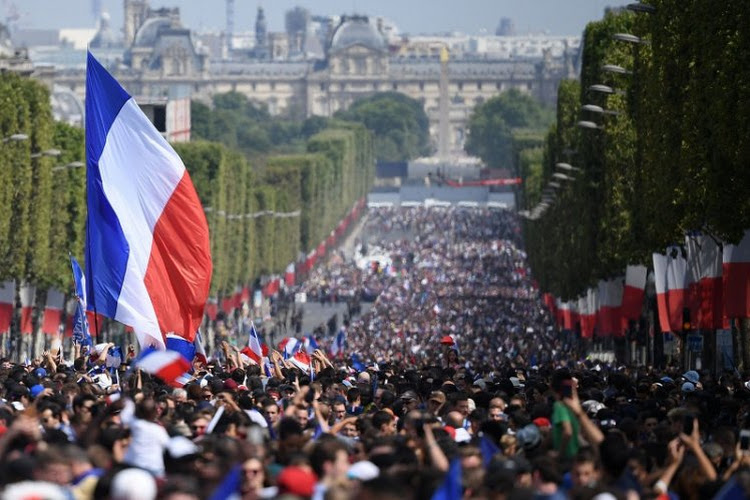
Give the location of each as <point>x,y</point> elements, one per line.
<point>460,85</point>
<point>479,85</point>
<point>421,86</point>
<point>395,86</point>
<point>323,87</point>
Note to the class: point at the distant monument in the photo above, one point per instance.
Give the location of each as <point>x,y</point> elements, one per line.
<point>506,27</point>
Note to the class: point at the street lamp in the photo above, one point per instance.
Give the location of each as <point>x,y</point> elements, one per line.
<point>553,184</point>
<point>641,7</point>
<point>605,89</point>
<point>598,109</point>
<point>567,166</point>
<point>73,164</point>
<point>627,37</point>
<point>15,138</point>
<point>563,177</point>
<point>589,125</point>
<point>614,68</point>
<point>46,152</point>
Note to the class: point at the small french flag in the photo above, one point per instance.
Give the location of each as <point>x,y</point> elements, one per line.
<point>289,347</point>
<point>254,349</point>
<point>170,366</point>
<point>310,344</point>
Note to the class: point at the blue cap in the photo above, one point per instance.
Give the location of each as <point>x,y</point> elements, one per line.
<point>667,380</point>
<point>36,390</point>
<point>40,372</point>
<point>692,376</point>
<point>688,387</point>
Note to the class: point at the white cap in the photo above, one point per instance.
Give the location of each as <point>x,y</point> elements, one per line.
<point>133,484</point>
<point>34,489</point>
<point>363,471</point>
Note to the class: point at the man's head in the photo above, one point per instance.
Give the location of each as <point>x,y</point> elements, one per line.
<point>436,402</point>
<point>384,422</point>
<point>50,416</point>
<point>271,409</point>
<point>462,404</point>
<point>330,460</point>
<point>339,410</point>
<point>585,470</point>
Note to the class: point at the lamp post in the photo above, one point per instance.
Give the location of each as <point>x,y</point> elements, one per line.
<point>47,153</point>
<point>15,138</point>
<point>589,125</point>
<point>593,108</point>
<point>627,37</point>
<point>563,177</point>
<point>605,89</point>
<point>73,164</point>
<point>614,68</point>
<point>567,166</point>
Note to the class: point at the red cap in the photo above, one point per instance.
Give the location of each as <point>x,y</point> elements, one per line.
<point>451,431</point>
<point>297,481</point>
<point>230,384</point>
<point>542,422</point>
<point>447,340</point>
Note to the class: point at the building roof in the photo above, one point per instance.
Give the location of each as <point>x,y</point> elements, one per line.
<point>357,30</point>
<point>149,31</point>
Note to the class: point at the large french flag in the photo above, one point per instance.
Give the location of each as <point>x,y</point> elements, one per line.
<point>632,296</point>
<point>705,289</point>
<point>148,257</point>
<point>7,304</point>
<point>660,282</point>
<point>27,293</point>
<point>736,264</point>
<point>610,304</point>
<point>588,315</point>
<point>53,311</point>
<point>677,282</point>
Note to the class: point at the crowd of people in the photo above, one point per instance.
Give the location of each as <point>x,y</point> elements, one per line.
<point>452,385</point>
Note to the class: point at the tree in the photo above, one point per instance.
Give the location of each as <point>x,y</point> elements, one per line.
<point>398,123</point>
<point>491,126</point>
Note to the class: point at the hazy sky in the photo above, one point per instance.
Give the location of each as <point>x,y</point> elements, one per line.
<point>557,17</point>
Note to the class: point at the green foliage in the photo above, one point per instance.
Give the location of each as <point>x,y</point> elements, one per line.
<point>321,185</point>
<point>398,122</point>
<point>239,124</point>
<point>674,160</point>
<point>492,124</point>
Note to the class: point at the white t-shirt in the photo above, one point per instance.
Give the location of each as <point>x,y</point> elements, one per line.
<point>147,444</point>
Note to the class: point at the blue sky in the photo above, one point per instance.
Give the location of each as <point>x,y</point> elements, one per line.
<point>557,17</point>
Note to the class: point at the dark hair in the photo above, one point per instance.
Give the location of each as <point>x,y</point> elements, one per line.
<point>325,450</point>
<point>380,418</point>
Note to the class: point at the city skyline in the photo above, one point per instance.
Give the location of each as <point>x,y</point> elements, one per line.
<point>476,17</point>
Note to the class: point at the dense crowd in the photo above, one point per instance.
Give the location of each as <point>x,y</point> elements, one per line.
<point>452,385</point>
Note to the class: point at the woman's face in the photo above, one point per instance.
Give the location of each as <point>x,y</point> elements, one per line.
<point>254,474</point>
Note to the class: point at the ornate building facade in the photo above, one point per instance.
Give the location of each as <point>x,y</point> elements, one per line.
<point>160,55</point>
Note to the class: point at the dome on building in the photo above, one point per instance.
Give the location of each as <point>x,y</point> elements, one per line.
<point>105,37</point>
<point>357,30</point>
<point>66,106</point>
<point>149,31</point>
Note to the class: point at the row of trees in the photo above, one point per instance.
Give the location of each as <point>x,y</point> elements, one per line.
<point>43,194</point>
<point>398,123</point>
<point>308,193</point>
<point>674,159</point>
<point>42,208</point>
